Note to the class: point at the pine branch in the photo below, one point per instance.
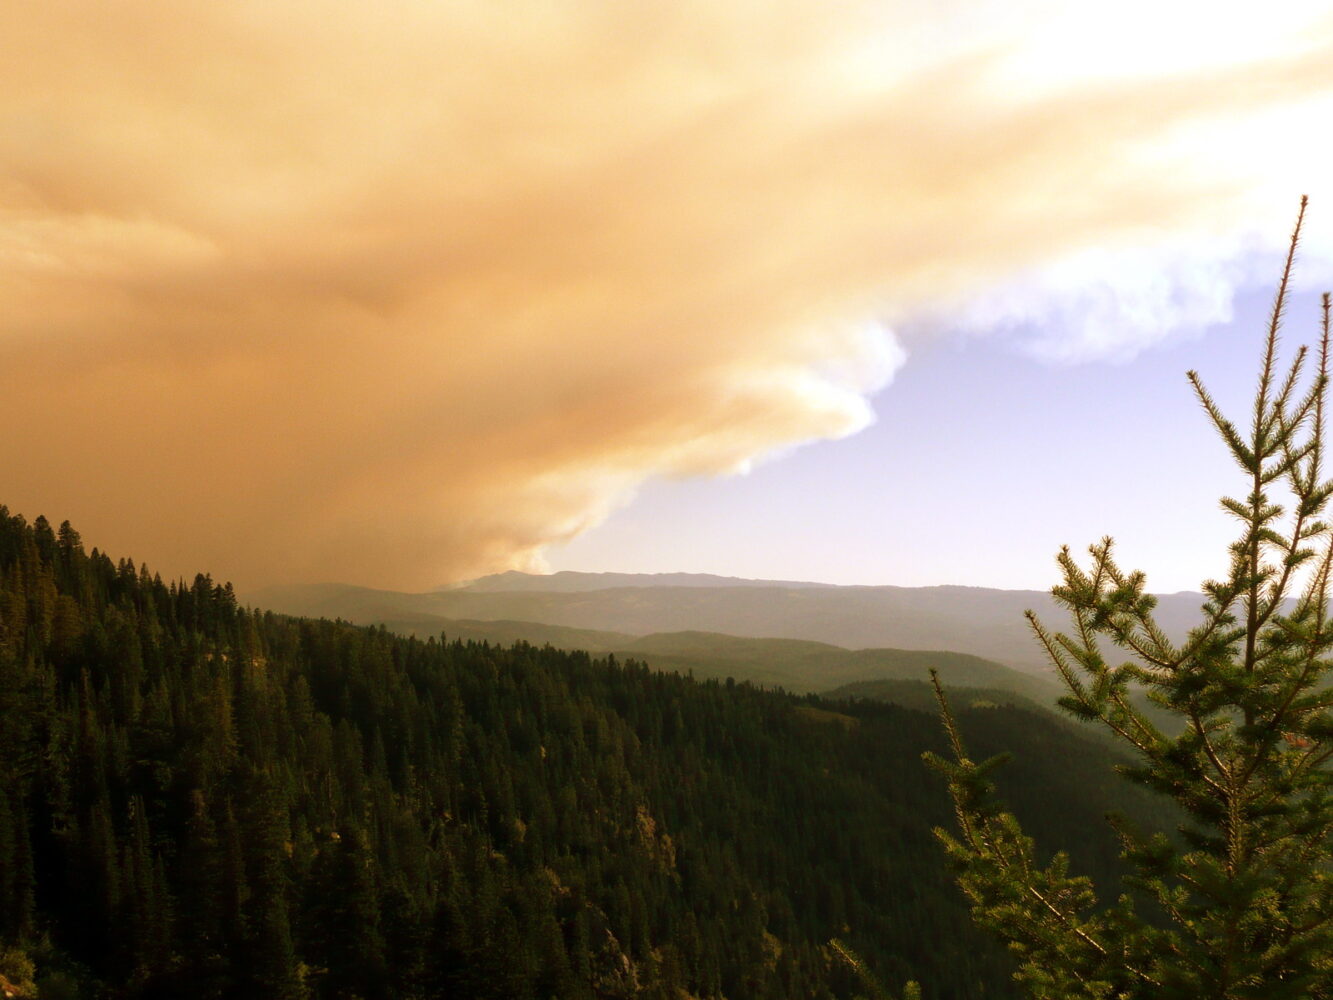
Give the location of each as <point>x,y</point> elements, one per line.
<point>1248,891</point>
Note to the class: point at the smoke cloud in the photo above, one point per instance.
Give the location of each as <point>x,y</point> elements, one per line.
<point>405,294</point>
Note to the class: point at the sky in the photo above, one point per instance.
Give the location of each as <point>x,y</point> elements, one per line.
<point>405,293</point>
<point>983,461</point>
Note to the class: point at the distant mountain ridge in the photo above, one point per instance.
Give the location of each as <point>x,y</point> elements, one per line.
<point>978,621</point>
<point>572,581</point>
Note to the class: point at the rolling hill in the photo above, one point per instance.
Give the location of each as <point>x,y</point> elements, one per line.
<point>974,620</point>
<point>797,665</point>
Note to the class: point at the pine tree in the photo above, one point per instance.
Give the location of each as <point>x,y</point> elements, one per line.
<point>1238,904</point>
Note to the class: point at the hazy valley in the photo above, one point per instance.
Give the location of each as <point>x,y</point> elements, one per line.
<point>801,636</point>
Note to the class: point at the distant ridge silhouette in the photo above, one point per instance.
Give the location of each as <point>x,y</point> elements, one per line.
<point>571,581</point>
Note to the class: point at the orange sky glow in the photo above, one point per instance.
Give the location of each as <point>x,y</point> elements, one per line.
<point>402,293</point>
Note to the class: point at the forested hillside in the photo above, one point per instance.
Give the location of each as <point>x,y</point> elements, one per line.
<point>201,800</point>
<point>795,665</point>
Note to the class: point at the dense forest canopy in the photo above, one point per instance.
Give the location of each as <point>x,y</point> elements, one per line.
<point>201,799</point>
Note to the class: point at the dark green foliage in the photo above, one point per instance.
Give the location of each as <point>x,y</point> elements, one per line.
<point>200,800</point>
<point>1239,906</point>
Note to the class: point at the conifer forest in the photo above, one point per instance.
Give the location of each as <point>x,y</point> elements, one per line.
<point>200,799</point>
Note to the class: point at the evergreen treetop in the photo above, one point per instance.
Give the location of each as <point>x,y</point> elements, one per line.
<point>1240,903</point>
